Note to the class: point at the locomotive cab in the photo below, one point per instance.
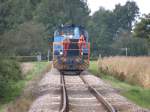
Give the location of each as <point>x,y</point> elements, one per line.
<point>71,49</point>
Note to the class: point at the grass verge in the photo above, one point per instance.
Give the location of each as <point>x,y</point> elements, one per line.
<point>20,100</point>
<point>134,93</point>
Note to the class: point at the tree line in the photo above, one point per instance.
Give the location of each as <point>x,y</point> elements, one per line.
<point>113,31</point>
<point>25,26</point>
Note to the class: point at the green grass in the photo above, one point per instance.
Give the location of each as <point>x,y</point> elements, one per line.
<point>19,86</point>
<point>134,93</point>
<point>38,68</point>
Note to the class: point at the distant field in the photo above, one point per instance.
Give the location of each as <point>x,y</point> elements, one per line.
<point>134,70</point>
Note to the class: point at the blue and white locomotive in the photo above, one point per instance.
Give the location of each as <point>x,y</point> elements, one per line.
<point>71,48</point>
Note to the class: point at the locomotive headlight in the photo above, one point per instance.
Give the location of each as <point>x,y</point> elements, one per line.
<point>61,53</point>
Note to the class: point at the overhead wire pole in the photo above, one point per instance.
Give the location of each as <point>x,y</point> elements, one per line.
<point>126,51</point>
<point>48,54</point>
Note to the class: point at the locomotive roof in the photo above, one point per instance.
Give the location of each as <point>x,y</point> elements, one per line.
<point>70,26</point>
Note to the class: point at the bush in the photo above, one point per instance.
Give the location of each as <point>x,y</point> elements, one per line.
<point>10,73</point>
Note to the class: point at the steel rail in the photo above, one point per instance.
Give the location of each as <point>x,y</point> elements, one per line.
<point>99,97</point>
<point>64,98</point>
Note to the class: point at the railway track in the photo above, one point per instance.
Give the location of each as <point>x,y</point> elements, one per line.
<point>64,97</point>
<point>84,93</point>
<point>79,96</point>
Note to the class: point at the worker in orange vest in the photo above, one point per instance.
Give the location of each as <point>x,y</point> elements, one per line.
<point>81,43</point>
<point>66,44</point>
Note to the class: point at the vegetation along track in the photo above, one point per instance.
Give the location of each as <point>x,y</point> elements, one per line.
<point>79,96</point>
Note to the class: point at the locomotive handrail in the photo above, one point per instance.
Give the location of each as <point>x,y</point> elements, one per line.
<point>68,49</point>
<point>63,50</point>
<point>87,44</point>
<point>59,43</point>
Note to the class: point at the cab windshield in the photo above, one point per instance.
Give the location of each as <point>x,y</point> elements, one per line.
<point>71,32</point>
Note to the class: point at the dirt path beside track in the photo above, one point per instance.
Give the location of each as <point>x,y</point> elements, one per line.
<point>26,67</point>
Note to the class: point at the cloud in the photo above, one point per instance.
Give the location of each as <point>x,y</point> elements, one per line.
<point>110,4</point>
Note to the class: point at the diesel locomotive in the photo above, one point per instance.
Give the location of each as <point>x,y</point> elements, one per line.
<point>71,48</point>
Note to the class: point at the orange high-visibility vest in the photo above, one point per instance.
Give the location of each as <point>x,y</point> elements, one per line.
<point>66,44</point>
<point>82,41</point>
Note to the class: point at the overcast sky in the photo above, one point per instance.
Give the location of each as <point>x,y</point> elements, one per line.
<point>94,5</point>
